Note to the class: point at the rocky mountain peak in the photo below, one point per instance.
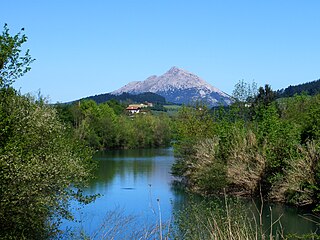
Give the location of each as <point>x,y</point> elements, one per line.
<point>178,86</point>
<point>174,70</point>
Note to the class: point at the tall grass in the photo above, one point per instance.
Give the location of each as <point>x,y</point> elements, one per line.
<point>242,163</point>
<point>246,163</point>
<point>224,219</point>
<point>206,172</point>
<point>240,169</point>
<point>118,225</point>
<point>295,187</point>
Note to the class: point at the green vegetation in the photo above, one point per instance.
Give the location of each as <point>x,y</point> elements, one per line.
<point>172,110</point>
<point>128,98</point>
<point>225,219</point>
<point>42,167</point>
<point>310,88</point>
<point>13,64</point>
<point>208,218</point>
<point>45,159</point>
<point>258,144</point>
<point>105,125</point>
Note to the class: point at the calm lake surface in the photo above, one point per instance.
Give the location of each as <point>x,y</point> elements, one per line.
<point>138,183</point>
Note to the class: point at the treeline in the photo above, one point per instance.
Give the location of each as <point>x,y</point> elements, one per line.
<point>129,98</point>
<point>309,88</point>
<point>106,126</point>
<point>258,145</point>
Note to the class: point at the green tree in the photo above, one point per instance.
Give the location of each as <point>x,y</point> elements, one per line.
<point>191,126</point>
<point>117,107</point>
<point>265,95</point>
<point>42,166</point>
<point>243,95</point>
<point>244,92</point>
<point>13,63</point>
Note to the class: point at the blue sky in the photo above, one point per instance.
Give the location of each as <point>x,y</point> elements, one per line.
<point>84,48</point>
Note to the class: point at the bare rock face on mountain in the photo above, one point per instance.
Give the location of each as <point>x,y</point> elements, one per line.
<point>178,86</point>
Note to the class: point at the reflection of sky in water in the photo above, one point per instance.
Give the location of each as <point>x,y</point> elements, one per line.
<point>131,181</point>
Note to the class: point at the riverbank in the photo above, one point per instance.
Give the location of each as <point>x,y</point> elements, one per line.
<point>132,181</point>
<point>271,149</point>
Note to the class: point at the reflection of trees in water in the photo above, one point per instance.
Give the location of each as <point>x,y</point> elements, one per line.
<point>139,154</point>
<point>110,169</point>
<point>125,164</point>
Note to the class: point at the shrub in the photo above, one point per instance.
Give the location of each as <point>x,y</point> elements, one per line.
<point>206,172</point>
<point>41,168</point>
<point>246,162</point>
<point>299,183</point>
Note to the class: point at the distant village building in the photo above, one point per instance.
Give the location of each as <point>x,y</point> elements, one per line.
<point>133,109</point>
<point>137,108</point>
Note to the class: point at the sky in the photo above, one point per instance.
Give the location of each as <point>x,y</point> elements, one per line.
<point>84,48</point>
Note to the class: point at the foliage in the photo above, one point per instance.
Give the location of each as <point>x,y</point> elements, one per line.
<point>158,107</point>
<point>206,172</point>
<point>94,124</point>
<point>117,107</point>
<point>246,162</point>
<point>102,126</point>
<point>13,63</point>
<point>243,95</point>
<point>265,96</point>
<point>300,178</point>
<point>128,98</point>
<point>311,88</point>
<point>270,145</point>
<point>191,125</point>
<point>244,92</point>
<point>223,219</point>
<point>42,168</point>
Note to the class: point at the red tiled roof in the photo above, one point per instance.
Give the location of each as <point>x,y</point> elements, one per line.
<point>132,108</point>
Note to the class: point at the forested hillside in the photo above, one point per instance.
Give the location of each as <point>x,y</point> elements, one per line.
<point>129,98</point>
<point>310,88</point>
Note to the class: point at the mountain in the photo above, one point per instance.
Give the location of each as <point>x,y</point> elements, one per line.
<point>178,86</point>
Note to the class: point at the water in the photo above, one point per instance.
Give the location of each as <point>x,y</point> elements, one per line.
<point>138,183</point>
<point>130,182</point>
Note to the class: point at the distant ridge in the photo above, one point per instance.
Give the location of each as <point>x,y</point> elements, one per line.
<point>178,86</point>
<point>310,88</point>
<point>129,98</point>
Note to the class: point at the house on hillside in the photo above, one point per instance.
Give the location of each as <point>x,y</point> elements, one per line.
<point>133,109</point>
<point>138,108</point>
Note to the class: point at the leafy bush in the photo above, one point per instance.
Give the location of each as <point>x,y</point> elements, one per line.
<point>206,172</point>
<point>299,181</point>
<point>246,162</point>
<point>276,149</point>
<point>42,167</point>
